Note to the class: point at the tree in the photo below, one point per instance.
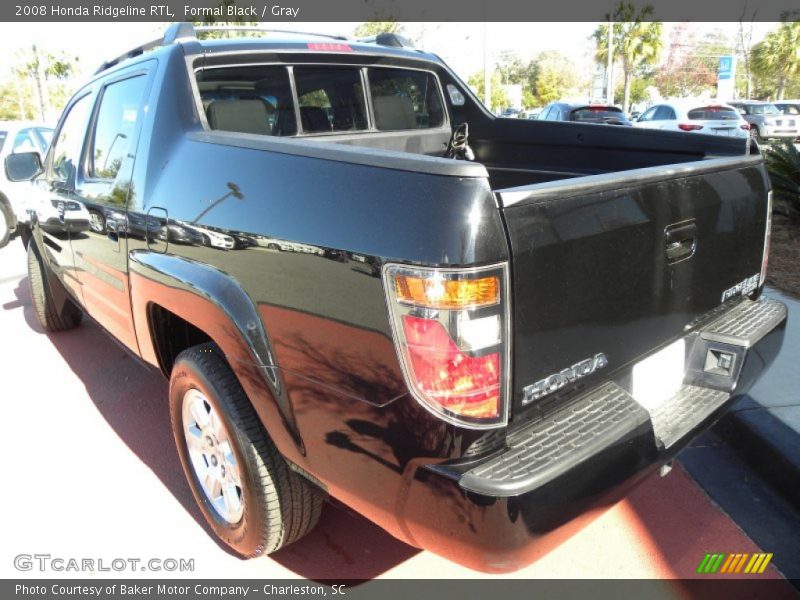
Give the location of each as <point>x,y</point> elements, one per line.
<point>745,48</point>
<point>691,65</point>
<point>235,22</point>
<point>373,28</point>
<point>42,68</point>
<point>499,97</point>
<point>777,57</point>
<point>16,101</point>
<point>636,42</point>
<point>556,76</point>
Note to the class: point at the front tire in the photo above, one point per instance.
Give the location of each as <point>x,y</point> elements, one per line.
<point>49,316</point>
<point>5,224</point>
<point>248,495</point>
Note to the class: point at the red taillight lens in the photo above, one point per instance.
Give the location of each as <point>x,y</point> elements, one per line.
<point>462,384</point>
<point>745,126</point>
<point>689,127</point>
<point>450,328</point>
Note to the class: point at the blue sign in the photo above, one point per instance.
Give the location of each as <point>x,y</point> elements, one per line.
<point>725,70</point>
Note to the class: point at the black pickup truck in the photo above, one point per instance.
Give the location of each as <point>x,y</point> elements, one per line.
<point>470,353</point>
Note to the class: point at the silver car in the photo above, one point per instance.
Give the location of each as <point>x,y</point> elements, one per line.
<point>17,136</point>
<point>790,109</point>
<point>766,121</point>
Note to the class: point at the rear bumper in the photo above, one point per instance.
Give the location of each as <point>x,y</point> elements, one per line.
<point>505,510</point>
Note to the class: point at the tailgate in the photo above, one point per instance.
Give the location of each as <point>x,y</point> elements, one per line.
<point>621,264</point>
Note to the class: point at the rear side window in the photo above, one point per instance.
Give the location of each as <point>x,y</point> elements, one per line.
<point>3,135</point>
<point>405,99</point>
<point>331,99</point>
<point>67,145</point>
<point>664,113</point>
<point>120,107</point>
<point>713,113</point>
<point>763,109</point>
<point>789,109</point>
<point>253,99</point>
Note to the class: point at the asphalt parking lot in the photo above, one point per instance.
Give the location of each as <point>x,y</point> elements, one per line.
<point>93,473</point>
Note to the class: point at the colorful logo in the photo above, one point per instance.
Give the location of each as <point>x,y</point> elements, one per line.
<point>734,563</point>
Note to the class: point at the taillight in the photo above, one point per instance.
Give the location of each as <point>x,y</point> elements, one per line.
<point>690,127</point>
<point>450,329</point>
<point>767,233</point>
<point>745,126</point>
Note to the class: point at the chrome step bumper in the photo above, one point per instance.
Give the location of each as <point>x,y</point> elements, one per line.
<point>608,415</point>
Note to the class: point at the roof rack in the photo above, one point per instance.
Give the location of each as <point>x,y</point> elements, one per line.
<point>179,32</point>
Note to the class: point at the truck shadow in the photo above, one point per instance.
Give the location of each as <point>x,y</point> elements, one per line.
<point>132,399</point>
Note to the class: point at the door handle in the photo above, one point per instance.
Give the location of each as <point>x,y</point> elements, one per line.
<point>680,241</point>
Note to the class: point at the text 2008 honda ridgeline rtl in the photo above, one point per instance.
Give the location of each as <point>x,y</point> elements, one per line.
<point>363,286</point>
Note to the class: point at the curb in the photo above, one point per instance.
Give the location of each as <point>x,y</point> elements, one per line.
<point>766,443</point>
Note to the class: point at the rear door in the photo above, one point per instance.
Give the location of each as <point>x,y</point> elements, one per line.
<point>621,264</point>
<point>104,188</point>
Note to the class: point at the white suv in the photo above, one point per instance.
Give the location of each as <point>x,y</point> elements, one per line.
<point>17,136</point>
<point>695,117</point>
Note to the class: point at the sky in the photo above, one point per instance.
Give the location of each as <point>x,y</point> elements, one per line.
<point>461,45</point>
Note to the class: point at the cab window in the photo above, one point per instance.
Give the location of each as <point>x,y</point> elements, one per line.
<point>112,143</point>
<point>69,141</point>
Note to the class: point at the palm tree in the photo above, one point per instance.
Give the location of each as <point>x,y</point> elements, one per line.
<point>777,55</point>
<point>636,42</point>
<point>783,164</point>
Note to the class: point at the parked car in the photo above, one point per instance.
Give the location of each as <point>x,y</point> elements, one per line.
<point>710,118</point>
<point>17,136</point>
<point>584,113</point>
<point>533,113</point>
<point>510,113</point>
<point>766,121</point>
<point>791,109</point>
<point>484,349</point>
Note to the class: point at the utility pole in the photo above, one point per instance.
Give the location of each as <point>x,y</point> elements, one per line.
<point>487,78</point>
<point>610,62</point>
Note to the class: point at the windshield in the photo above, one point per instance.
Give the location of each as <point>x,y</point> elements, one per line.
<point>713,113</point>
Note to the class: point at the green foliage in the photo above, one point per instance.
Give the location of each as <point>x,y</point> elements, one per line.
<point>783,164</point>
<point>556,77</point>
<point>776,59</point>
<point>499,97</point>
<point>372,28</point>
<point>235,22</point>
<point>635,39</point>
<point>16,102</point>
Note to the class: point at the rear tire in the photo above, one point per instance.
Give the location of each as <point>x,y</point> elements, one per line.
<point>267,506</point>
<point>756,135</point>
<point>50,318</point>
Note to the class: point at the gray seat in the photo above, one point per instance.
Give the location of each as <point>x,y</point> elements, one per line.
<point>394,112</point>
<point>243,116</point>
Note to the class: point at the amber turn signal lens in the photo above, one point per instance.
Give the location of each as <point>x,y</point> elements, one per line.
<point>436,292</point>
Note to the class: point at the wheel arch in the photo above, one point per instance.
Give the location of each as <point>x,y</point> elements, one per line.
<point>177,302</point>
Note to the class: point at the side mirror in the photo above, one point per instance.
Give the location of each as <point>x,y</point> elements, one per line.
<point>23,166</point>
